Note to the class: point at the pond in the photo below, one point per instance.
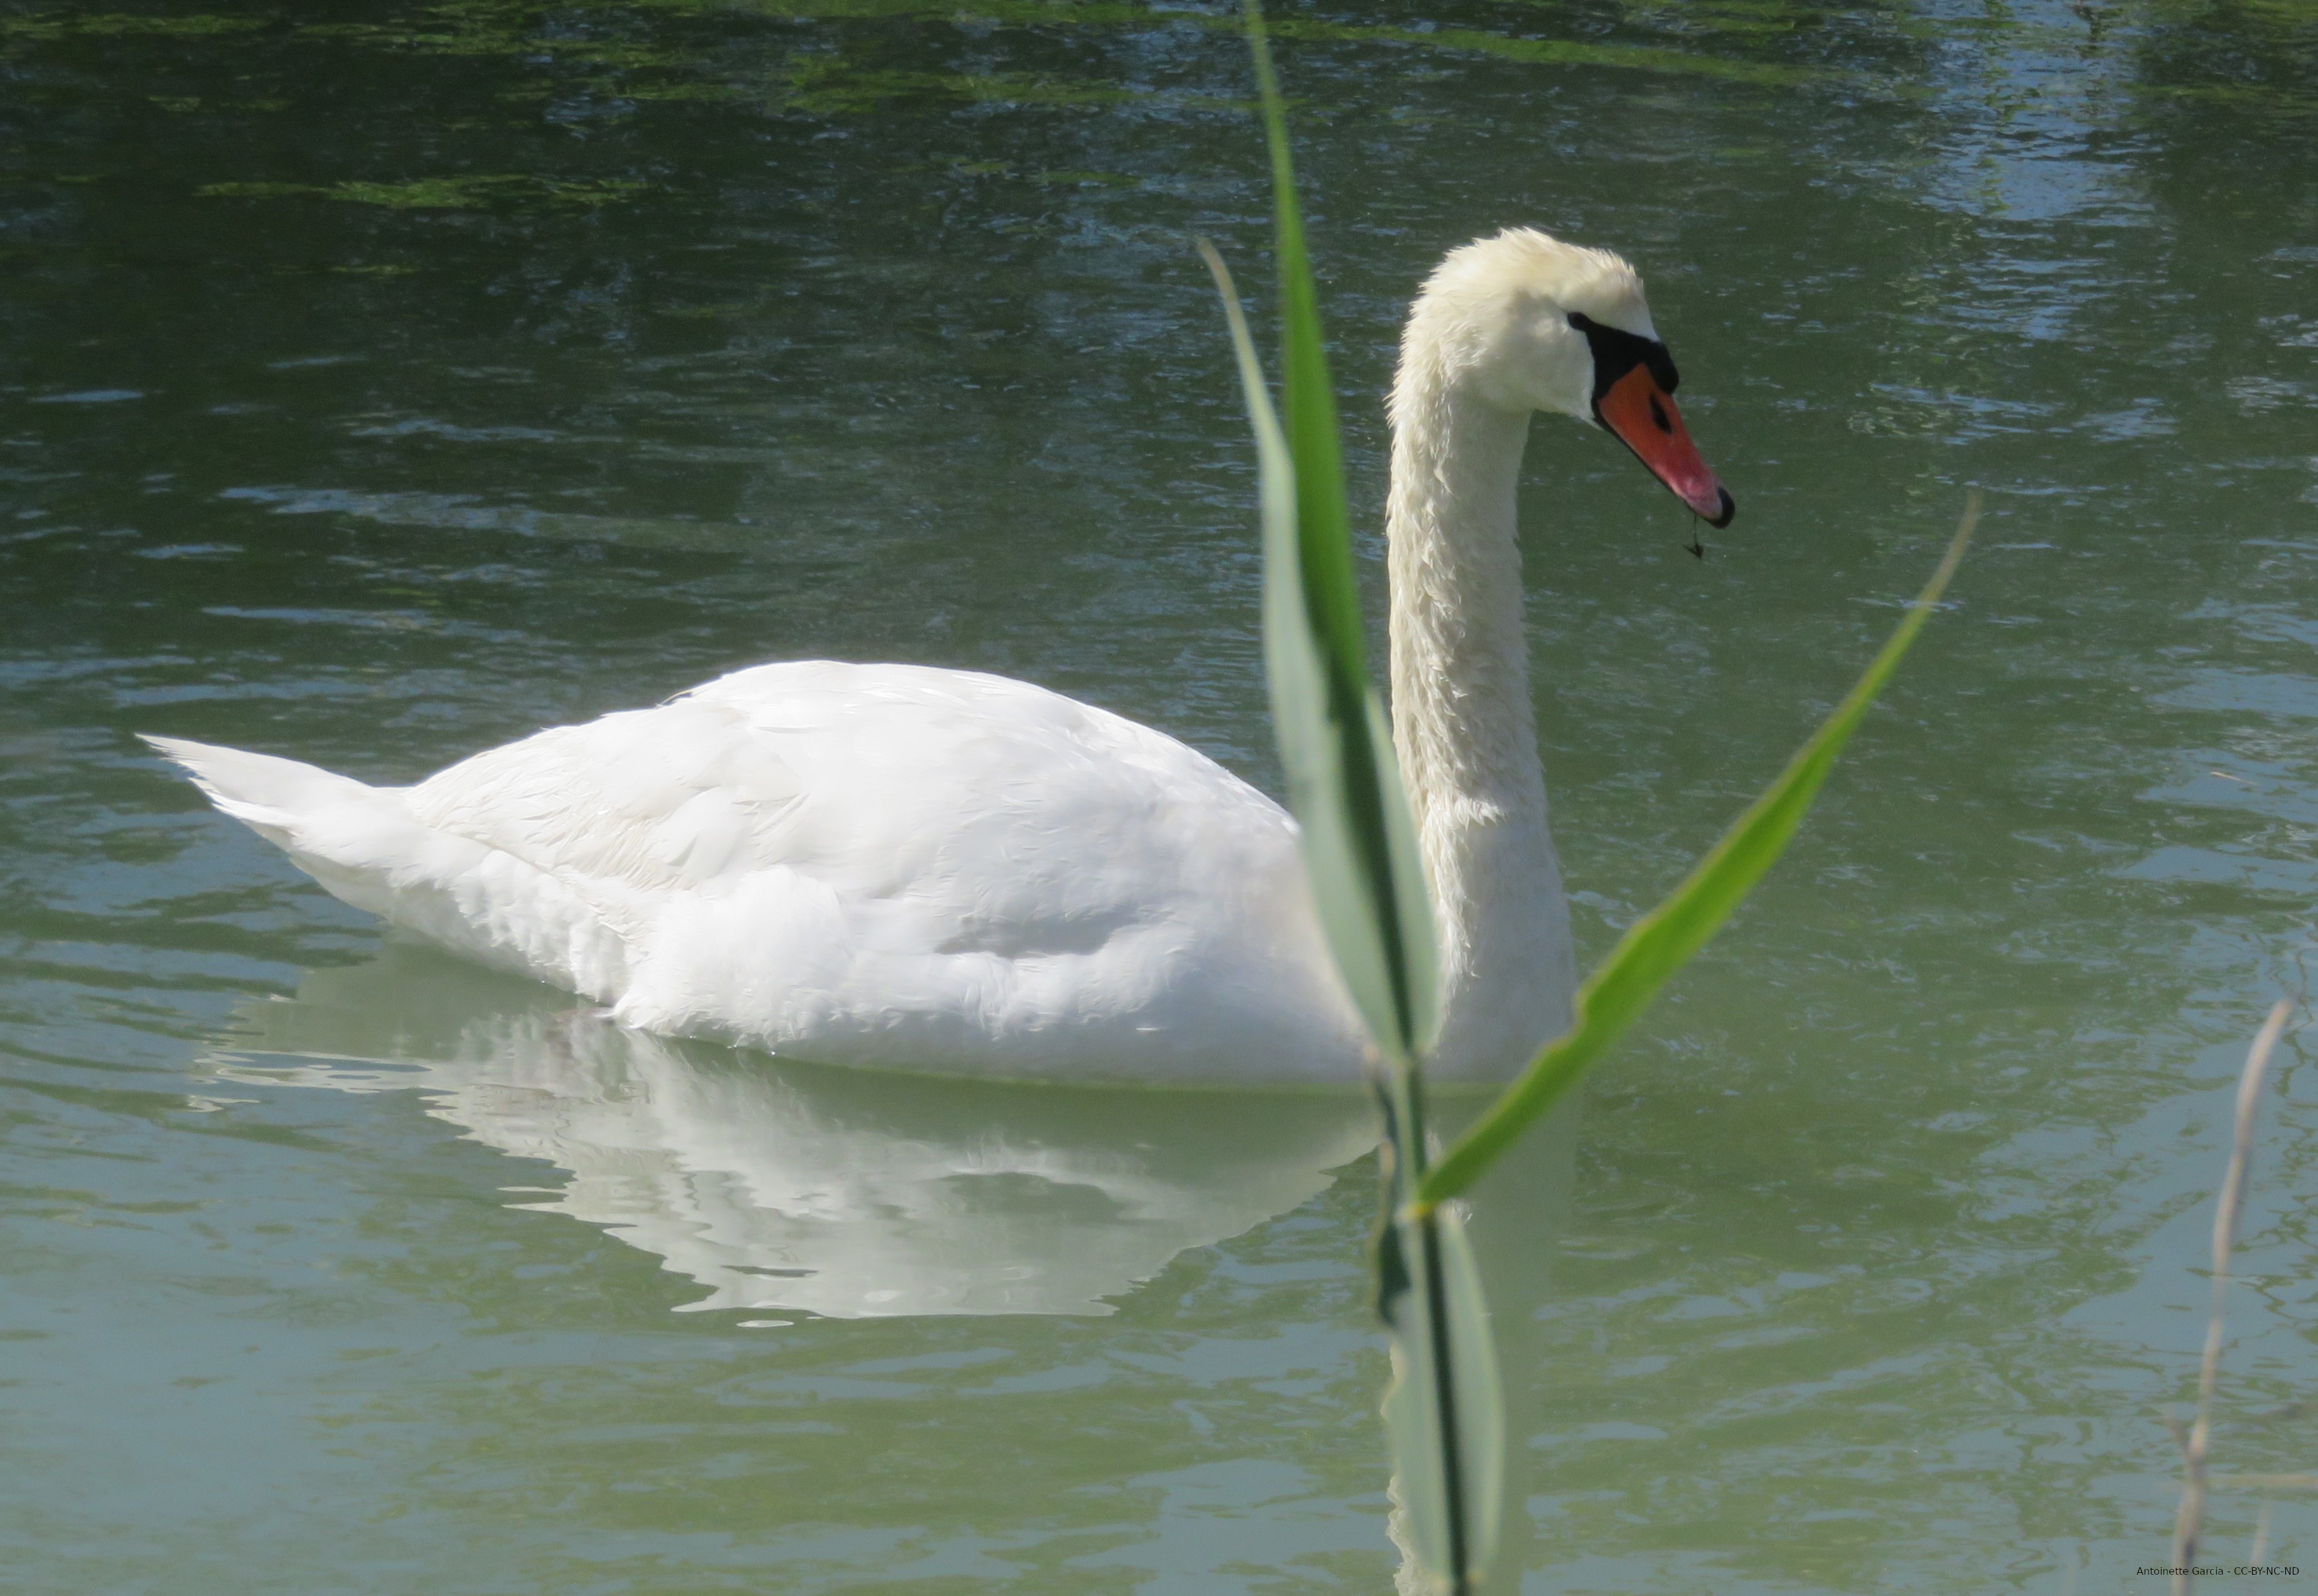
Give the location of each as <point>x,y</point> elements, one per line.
<point>382,382</point>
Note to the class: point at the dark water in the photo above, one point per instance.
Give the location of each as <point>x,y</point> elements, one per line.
<point>382,381</point>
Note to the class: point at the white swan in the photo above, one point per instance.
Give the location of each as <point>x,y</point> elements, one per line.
<point>940,869</point>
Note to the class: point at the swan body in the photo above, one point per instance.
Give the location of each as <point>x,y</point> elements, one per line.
<point>887,864</point>
<point>943,870</point>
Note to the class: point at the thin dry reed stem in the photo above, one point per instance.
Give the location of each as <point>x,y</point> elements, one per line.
<point>2266,1482</point>
<point>2191,1519</point>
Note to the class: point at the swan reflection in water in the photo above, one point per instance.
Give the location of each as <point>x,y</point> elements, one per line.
<point>774,1184</point>
<point>850,1193</point>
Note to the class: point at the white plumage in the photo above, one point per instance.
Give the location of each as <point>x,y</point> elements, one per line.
<point>872,864</point>
<point>938,869</point>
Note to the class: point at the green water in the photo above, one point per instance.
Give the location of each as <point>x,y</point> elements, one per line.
<point>382,381</point>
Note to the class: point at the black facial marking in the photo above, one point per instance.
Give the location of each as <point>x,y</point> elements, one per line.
<point>1617,352</point>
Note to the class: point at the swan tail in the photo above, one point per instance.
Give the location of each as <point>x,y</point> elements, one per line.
<point>366,848</point>
<point>273,797</point>
<point>360,842</point>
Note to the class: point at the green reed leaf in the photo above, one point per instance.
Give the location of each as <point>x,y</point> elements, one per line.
<point>1358,844</point>
<point>1335,744</point>
<point>1622,985</point>
<point>1444,1411</point>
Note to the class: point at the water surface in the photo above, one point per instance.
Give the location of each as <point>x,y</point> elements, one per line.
<point>382,386</point>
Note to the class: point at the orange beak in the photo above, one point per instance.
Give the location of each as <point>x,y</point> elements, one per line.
<point>1643,416</point>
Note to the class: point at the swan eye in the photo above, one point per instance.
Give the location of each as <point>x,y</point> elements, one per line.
<point>1617,352</point>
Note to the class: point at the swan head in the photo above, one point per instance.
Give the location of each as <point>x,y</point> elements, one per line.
<point>1530,323</point>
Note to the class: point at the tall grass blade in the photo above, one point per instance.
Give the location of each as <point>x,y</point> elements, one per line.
<point>1347,801</point>
<point>1442,1411</point>
<point>1447,1436</point>
<point>1336,742</point>
<point>1367,883</point>
<point>1622,985</point>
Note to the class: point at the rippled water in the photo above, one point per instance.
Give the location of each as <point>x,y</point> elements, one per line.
<point>382,386</point>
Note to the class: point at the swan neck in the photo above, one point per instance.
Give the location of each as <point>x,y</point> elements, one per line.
<point>1462,720</point>
<point>1463,724</point>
